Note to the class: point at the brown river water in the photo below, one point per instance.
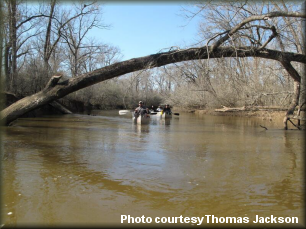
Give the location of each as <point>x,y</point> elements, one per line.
<point>88,170</point>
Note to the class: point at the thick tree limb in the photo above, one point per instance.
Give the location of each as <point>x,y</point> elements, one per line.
<point>297,87</point>
<point>53,81</point>
<point>291,70</point>
<point>299,113</point>
<point>295,125</point>
<point>55,90</point>
<point>60,107</point>
<point>274,34</point>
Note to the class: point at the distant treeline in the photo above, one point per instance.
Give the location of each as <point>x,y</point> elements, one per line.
<point>48,38</point>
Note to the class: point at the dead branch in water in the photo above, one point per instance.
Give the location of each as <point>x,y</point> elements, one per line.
<point>263,127</point>
<point>294,124</point>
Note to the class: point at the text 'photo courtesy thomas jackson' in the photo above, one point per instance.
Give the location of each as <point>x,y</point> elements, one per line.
<point>210,219</point>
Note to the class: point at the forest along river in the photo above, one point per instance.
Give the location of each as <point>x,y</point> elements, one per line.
<point>91,169</point>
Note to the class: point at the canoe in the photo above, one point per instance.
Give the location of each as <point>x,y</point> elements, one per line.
<point>165,116</point>
<point>123,112</point>
<point>161,116</point>
<point>142,119</point>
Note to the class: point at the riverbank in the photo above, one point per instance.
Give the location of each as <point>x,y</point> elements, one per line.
<point>265,115</point>
<point>271,115</point>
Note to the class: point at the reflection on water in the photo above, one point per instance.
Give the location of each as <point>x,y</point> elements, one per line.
<point>80,169</point>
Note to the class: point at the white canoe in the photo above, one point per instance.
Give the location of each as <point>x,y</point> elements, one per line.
<point>165,116</point>
<point>142,119</point>
<point>161,116</point>
<point>123,112</point>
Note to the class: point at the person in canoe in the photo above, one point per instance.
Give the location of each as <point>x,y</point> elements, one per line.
<point>141,110</point>
<point>167,109</point>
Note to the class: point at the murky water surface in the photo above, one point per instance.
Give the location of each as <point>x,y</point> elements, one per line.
<point>90,170</point>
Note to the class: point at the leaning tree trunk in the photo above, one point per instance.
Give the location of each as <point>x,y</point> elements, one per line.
<point>296,95</point>
<point>55,90</point>
<point>293,105</point>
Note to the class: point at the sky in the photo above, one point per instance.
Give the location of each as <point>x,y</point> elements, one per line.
<point>140,29</point>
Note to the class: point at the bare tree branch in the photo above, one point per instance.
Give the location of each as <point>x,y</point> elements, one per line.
<point>254,18</point>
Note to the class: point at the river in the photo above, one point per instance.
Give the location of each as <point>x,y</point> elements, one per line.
<point>91,169</point>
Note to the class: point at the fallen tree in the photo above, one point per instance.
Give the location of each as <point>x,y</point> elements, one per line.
<point>55,89</point>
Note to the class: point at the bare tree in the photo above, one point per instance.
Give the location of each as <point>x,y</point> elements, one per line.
<point>23,22</point>
<point>55,89</point>
<point>2,29</point>
<point>96,56</point>
<point>238,23</point>
<point>75,34</point>
<point>20,21</point>
<point>62,25</point>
